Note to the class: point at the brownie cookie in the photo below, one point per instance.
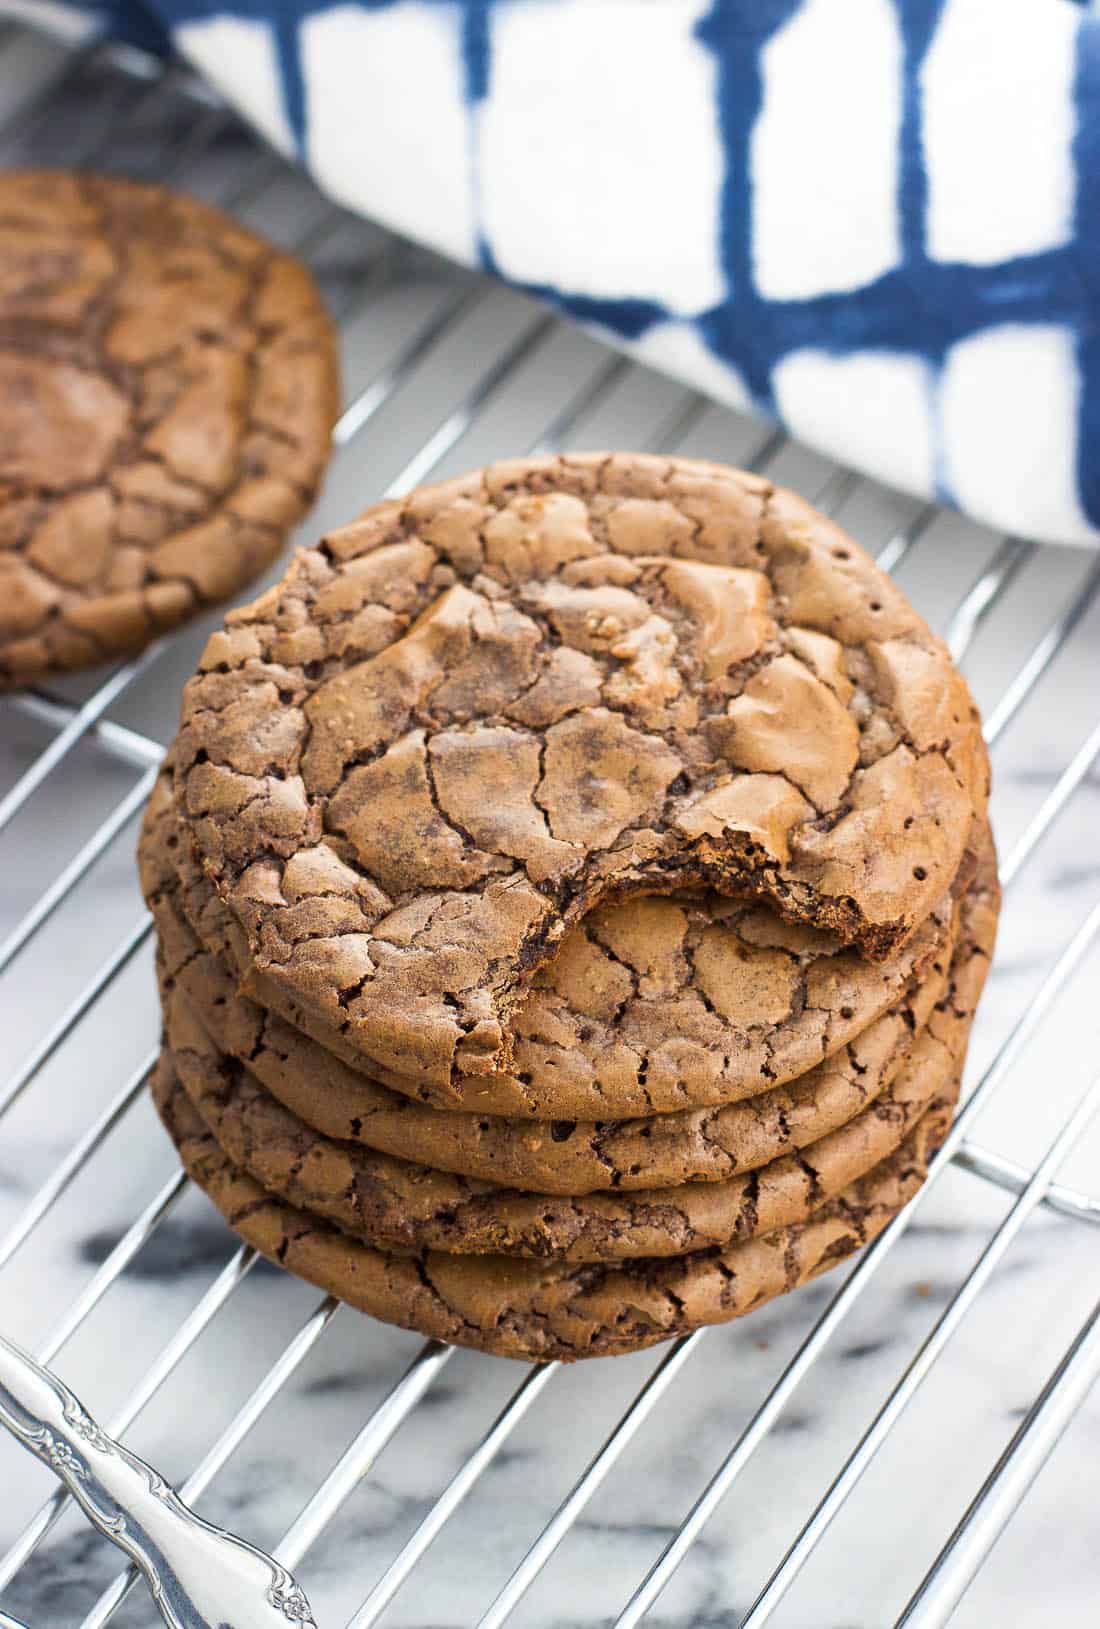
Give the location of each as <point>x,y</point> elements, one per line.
<point>651,1004</point>
<point>559,1157</point>
<point>168,384</point>
<point>460,723</point>
<point>396,1204</point>
<point>549,1309</point>
<point>576,1157</point>
<point>563,1156</point>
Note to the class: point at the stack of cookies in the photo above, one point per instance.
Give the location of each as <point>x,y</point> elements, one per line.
<point>573,890</point>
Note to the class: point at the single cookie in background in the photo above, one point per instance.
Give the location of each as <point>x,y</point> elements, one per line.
<point>168,386</point>
<point>396,1204</point>
<point>651,1005</point>
<point>543,1310</point>
<point>459,724</point>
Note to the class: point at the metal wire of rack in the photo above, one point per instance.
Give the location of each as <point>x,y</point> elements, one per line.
<point>438,387</point>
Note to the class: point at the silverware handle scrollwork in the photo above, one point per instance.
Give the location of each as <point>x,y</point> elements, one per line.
<point>200,1576</point>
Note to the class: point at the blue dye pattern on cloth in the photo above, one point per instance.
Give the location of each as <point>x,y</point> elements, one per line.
<point>877,221</point>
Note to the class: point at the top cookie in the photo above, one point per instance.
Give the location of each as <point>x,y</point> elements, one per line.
<point>460,722</point>
<point>168,385</point>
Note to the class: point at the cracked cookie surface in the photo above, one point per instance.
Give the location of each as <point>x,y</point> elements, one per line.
<point>168,384</point>
<point>651,1003</point>
<point>570,1158</point>
<point>550,1309</point>
<point>801,1155</point>
<point>462,722</point>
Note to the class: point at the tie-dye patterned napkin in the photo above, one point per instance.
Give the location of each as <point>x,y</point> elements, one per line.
<point>875,220</point>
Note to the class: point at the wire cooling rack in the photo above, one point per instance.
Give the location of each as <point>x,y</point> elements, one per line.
<point>817,1464</point>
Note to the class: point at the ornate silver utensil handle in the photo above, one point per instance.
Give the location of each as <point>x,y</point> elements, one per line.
<point>200,1576</point>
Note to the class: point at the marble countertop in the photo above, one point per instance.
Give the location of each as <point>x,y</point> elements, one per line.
<point>1045,1568</point>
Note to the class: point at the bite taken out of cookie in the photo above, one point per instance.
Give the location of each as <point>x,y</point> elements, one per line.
<point>573,890</point>
<point>463,721</point>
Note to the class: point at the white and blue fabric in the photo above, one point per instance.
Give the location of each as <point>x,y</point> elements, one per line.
<point>877,221</point>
